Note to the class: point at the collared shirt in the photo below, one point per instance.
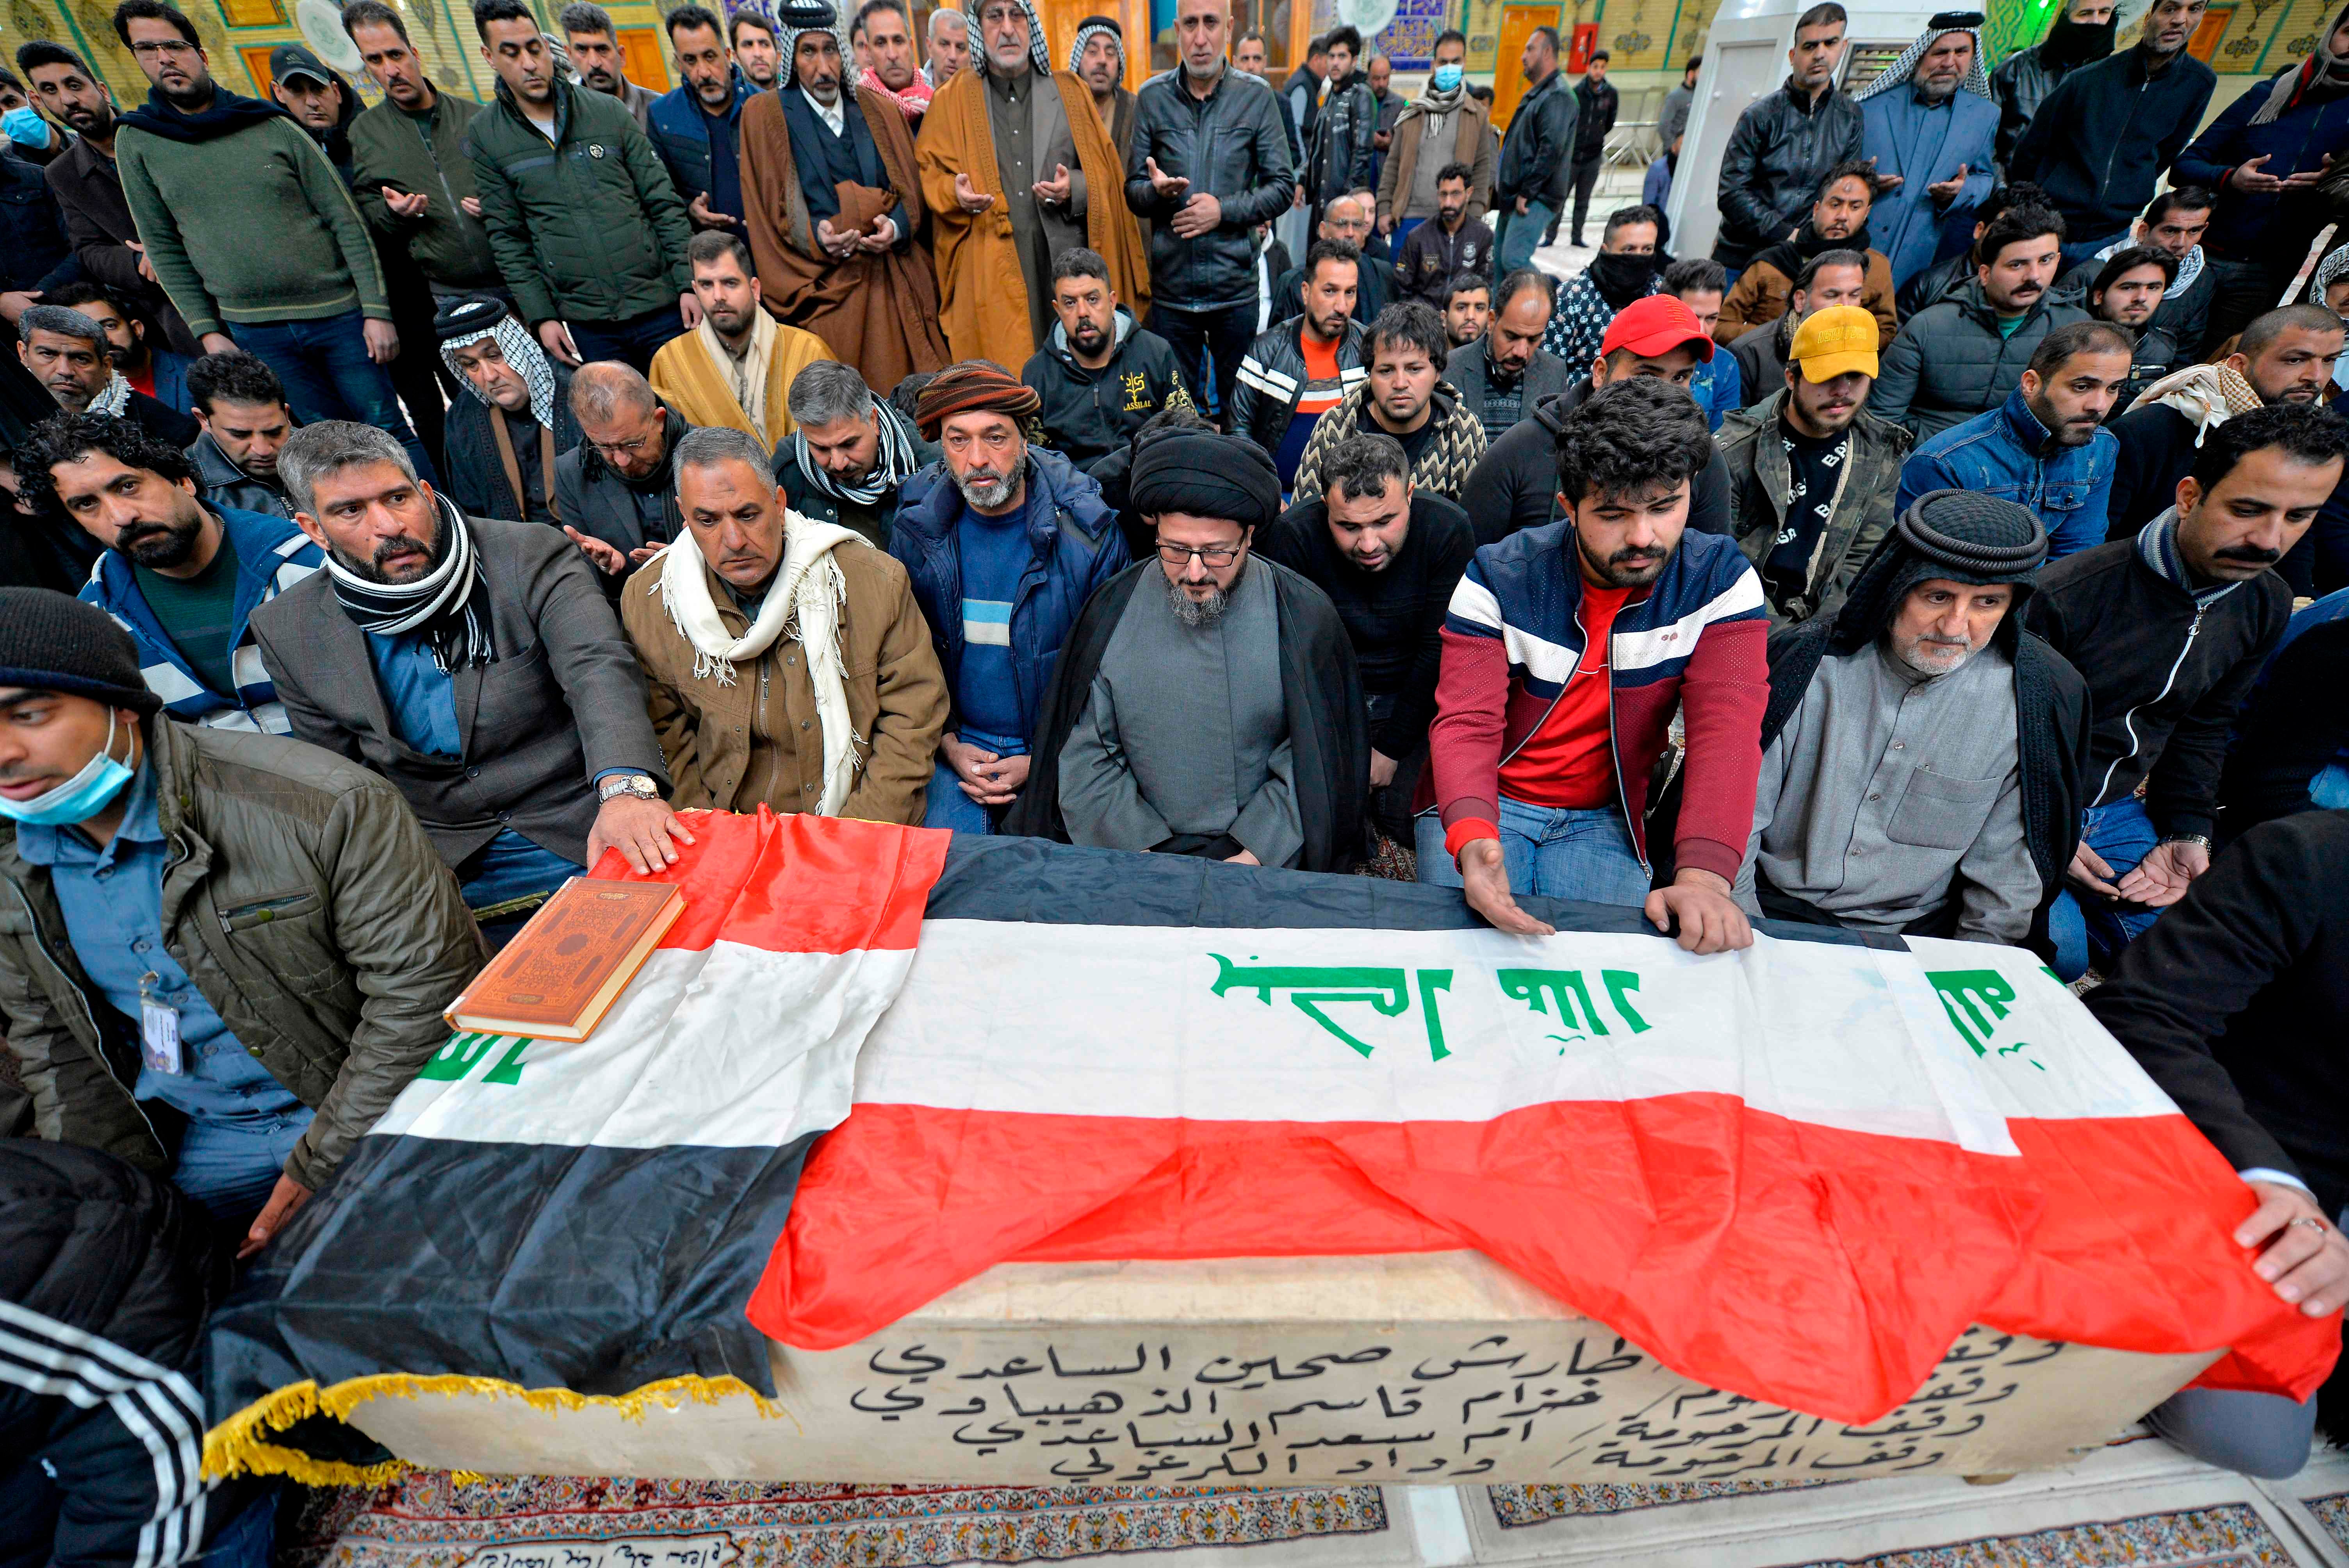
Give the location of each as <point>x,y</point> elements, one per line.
<point>834,114</point>
<point>112,899</point>
<point>1888,792</point>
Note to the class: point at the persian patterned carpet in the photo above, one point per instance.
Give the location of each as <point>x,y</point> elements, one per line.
<point>427,1520</point>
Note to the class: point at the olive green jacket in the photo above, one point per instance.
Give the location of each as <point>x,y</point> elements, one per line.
<point>587,228</point>
<point>304,902</point>
<point>447,245</point>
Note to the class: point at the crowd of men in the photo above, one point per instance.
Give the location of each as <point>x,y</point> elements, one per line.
<point>454,492</point>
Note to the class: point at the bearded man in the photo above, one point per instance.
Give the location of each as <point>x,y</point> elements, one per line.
<point>736,367</point>
<point>1017,168</point>
<point>1929,127</point>
<point>1098,57</point>
<point>1922,753</point>
<point>499,445</point>
<point>832,202</point>
<point>1129,758</point>
<point>408,656</point>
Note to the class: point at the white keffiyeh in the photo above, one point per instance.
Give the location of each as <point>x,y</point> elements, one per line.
<point>1901,70</point>
<point>804,597</point>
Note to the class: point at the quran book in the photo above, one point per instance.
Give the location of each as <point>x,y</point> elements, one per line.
<point>563,970</point>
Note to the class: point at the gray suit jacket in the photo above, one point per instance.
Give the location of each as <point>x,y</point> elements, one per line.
<point>562,701</point>
<point>1546,376</point>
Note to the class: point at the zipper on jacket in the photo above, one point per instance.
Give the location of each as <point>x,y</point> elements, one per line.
<point>2129,718</point>
<point>2106,183</point>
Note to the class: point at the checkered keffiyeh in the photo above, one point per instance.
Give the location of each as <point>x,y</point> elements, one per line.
<point>1969,23</point>
<point>1036,54</point>
<point>1087,30</point>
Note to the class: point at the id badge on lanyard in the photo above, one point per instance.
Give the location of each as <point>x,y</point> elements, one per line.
<point>159,1028</point>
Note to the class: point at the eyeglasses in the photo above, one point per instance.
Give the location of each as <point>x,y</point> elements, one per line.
<point>621,448</point>
<point>1214,556</point>
<point>169,48</point>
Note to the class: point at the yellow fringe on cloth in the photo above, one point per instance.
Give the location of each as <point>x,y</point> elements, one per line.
<point>241,1445</point>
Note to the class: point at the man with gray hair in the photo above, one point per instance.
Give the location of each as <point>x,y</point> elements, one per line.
<point>474,664</point>
<point>949,46</point>
<point>68,354</point>
<point>850,453</point>
<point>615,490</point>
<point>786,662</point>
<point>594,46</point>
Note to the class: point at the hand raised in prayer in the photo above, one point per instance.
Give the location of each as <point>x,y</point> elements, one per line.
<point>1944,192</point>
<point>1200,215</point>
<point>1484,879</point>
<point>639,829</point>
<point>1709,920</point>
<point>2308,177</point>
<point>404,204</point>
<point>2301,1252</point>
<point>1055,192</point>
<point>557,339</point>
<point>2089,870</point>
<point>2253,180</point>
<point>285,1200</point>
<point>2161,878</point>
<point>970,197</point>
<point>1886,184</point>
<point>1170,187</point>
<point>382,340</point>
<point>884,235</point>
<point>605,557</point>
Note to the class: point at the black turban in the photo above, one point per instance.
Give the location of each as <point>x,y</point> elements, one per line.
<point>1206,475</point>
<point>1965,537</point>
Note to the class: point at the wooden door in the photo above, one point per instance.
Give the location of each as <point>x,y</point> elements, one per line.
<point>1517,25</point>
<point>643,60</point>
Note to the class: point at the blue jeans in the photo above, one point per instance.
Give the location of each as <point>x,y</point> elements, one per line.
<point>2095,930</point>
<point>1549,854</point>
<point>1521,235</point>
<point>948,806</point>
<point>230,1167</point>
<point>328,375</point>
<point>636,340</point>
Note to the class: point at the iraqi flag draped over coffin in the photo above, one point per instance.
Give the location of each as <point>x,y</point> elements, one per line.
<point>1796,1172</point>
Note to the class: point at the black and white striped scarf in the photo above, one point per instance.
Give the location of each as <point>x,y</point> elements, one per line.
<point>893,464</point>
<point>449,604</point>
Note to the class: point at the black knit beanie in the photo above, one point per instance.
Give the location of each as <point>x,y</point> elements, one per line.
<point>52,643</point>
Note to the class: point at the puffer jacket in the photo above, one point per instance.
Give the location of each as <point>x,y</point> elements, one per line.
<point>2274,227</point>
<point>1272,377</point>
<point>1073,545</point>
<point>1537,153</point>
<point>308,905</point>
<point>680,134</point>
<point>447,245</point>
<point>1088,414</point>
<point>2106,133</point>
<point>1233,146</point>
<point>1759,483</point>
<point>226,487</point>
<point>589,228</point>
<point>1950,364</point>
<point>1344,141</point>
<point>1781,148</point>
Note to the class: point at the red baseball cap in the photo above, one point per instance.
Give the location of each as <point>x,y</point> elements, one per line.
<point>1655,326</point>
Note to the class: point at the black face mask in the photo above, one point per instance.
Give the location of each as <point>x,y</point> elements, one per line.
<point>2071,43</point>
<point>1622,278</point>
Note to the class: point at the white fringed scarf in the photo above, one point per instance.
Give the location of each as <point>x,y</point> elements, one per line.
<point>806,595</point>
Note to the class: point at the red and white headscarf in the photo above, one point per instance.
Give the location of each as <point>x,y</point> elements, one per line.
<point>915,101</point>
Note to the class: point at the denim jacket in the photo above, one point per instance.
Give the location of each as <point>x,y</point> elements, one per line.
<point>2007,452</point>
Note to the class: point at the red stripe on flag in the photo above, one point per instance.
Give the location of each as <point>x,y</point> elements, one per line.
<point>1820,1269</point>
<point>798,882</point>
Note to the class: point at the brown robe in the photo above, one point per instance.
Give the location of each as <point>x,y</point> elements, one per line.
<point>877,312</point>
<point>986,306</point>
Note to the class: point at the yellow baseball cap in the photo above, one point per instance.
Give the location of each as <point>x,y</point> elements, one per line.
<point>1835,342</point>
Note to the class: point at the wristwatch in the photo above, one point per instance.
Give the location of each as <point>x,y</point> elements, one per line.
<point>2203,839</point>
<point>636,784</point>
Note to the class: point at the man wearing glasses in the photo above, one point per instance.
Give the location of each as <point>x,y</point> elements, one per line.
<point>614,492</point>
<point>250,232</point>
<point>1206,703</point>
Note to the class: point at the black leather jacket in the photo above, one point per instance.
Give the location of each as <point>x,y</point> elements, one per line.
<point>1536,153</point>
<point>1232,146</point>
<point>1770,173</point>
<point>2019,86</point>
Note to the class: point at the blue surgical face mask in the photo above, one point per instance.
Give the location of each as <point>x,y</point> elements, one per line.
<point>26,127</point>
<point>80,798</point>
<point>1447,78</point>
